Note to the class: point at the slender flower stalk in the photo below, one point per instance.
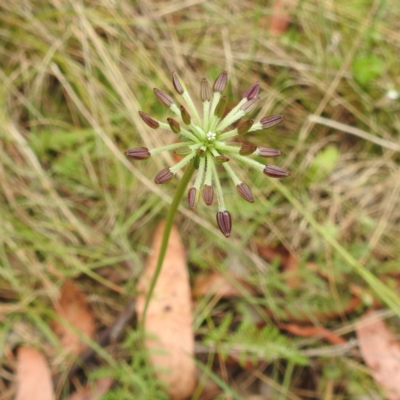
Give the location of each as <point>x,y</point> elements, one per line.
<point>203,142</point>
<point>203,146</point>
<point>164,242</point>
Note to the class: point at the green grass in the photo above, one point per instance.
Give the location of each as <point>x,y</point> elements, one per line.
<point>73,76</point>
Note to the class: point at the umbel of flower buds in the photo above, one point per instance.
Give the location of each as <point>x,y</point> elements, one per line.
<point>204,139</point>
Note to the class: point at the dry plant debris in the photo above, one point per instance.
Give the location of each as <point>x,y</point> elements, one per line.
<point>169,317</point>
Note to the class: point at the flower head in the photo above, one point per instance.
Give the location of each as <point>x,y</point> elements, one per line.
<point>204,140</point>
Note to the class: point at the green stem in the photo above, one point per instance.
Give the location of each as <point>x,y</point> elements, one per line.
<point>165,238</point>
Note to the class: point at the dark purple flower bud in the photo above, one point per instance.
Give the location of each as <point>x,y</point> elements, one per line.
<point>247,149</point>
<point>163,97</point>
<point>192,198</point>
<point>185,116</point>
<point>244,126</point>
<point>245,192</point>
<point>267,122</point>
<point>138,153</point>
<point>208,194</point>
<point>177,83</point>
<point>224,222</point>
<point>268,152</point>
<point>174,125</point>
<point>221,159</point>
<point>252,91</point>
<point>275,172</point>
<point>221,106</point>
<point>250,105</point>
<point>205,90</point>
<point>220,82</point>
<point>163,176</point>
<point>152,123</point>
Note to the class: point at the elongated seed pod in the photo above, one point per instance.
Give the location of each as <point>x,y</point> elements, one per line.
<point>192,198</point>
<point>205,90</point>
<point>220,82</point>
<point>268,151</point>
<point>138,153</point>
<point>247,149</point>
<point>163,97</point>
<point>185,116</point>
<point>224,222</point>
<point>164,176</point>
<point>221,107</point>
<point>244,126</point>
<point>208,194</point>
<point>250,105</point>
<point>275,172</point>
<point>245,192</point>
<point>177,83</point>
<point>252,91</point>
<point>268,122</point>
<point>174,125</point>
<point>152,123</point>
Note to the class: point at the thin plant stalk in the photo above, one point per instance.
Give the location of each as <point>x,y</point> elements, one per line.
<point>180,191</point>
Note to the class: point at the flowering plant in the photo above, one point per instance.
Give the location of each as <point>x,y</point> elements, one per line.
<point>203,142</point>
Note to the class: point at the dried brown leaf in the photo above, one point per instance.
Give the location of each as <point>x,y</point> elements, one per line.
<point>313,331</point>
<point>169,317</point>
<point>381,352</point>
<point>33,375</point>
<point>73,307</point>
